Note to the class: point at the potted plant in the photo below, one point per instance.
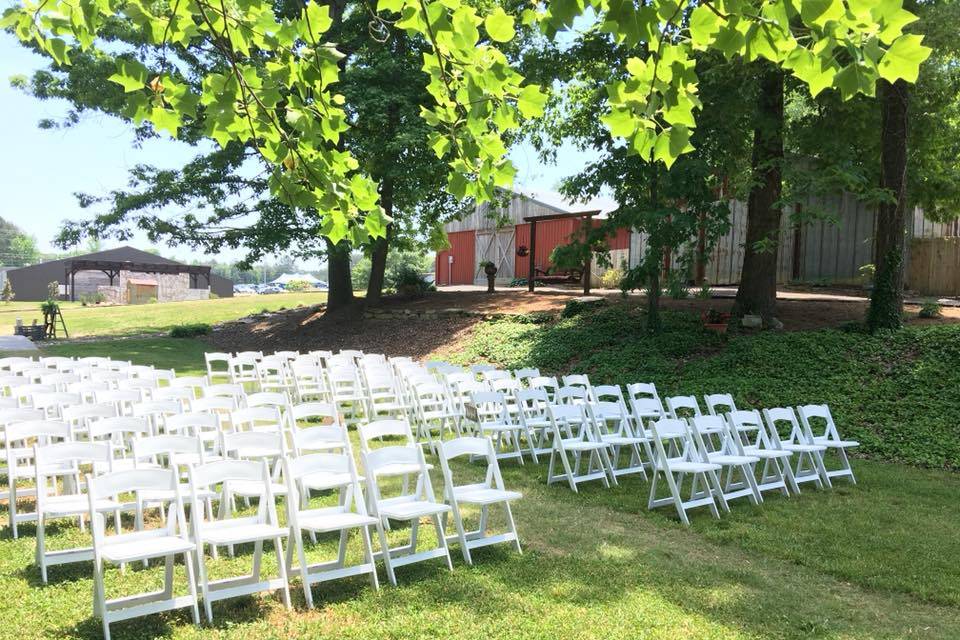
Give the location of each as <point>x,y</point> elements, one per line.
<point>716,320</point>
<point>491,270</point>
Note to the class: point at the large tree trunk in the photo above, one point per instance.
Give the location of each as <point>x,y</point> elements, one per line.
<point>757,293</point>
<point>340,293</point>
<point>381,246</point>
<point>886,301</point>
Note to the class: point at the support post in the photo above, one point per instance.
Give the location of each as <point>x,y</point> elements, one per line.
<point>586,267</point>
<point>532,272</point>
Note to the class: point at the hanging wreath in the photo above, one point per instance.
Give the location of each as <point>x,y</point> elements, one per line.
<point>522,251</point>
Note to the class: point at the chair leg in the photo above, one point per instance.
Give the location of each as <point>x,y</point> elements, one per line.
<point>285,590</point>
<point>368,555</point>
<point>192,585</point>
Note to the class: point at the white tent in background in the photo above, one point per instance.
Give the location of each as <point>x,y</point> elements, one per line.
<point>287,278</point>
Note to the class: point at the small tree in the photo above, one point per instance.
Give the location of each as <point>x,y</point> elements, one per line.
<point>7,293</point>
<point>53,290</point>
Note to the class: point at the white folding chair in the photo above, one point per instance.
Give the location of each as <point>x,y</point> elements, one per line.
<point>717,445</point>
<point>407,506</point>
<point>52,404</point>
<point>317,428</point>
<point>810,466</point>
<point>490,491</point>
<point>63,460</point>
<point>719,404</point>
<point>433,413</point>
<point>184,395</point>
<point>675,457</point>
<point>574,439</point>
<point>167,542</point>
<point>266,419</point>
<point>156,411</point>
<point>194,383</point>
<point>309,383</point>
<point>20,465</point>
<point>524,375</point>
<point>683,407</point>
<point>81,416</point>
<point>548,383</point>
<point>122,399</point>
<point>748,428</point>
<point>490,375</point>
<point>243,369</point>
<point>611,420</point>
<point>582,381</point>
<point>226,390</point>
<point>263,526</point>
<point>118,432</point>
<point>347,393</point>
<point>532,416</point>
<point>273,374</point>
<point>810,415</point>
<point>349,513</point>
<point>493,420</point>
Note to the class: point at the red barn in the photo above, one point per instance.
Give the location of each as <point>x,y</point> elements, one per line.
<point>503,237</point>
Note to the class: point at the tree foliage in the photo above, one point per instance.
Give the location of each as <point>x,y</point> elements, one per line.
<point>277,93</point>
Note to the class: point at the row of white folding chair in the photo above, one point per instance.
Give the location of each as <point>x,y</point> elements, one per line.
<point>760,436</point>
<point>402,457</point>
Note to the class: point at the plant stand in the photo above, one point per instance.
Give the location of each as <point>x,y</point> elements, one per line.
<point>50,324</point>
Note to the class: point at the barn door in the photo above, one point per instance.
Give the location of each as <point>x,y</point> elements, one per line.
<point>498,248</point>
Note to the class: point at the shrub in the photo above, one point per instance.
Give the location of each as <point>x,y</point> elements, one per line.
<point>190,330</point>
<point>7,294</point>
<point>409,282</point>
<point>930,309</point>
<point>676,284</point>
<point>298,285</point>
<point>92,298</point>
<point>611,279</point>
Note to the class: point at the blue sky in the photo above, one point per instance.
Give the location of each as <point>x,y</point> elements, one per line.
<point>40,170</point>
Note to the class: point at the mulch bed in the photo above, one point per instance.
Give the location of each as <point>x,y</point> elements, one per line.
<point>310,328</point>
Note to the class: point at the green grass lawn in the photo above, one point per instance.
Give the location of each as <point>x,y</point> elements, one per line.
<point>97,320</point>
<point>875,560</point>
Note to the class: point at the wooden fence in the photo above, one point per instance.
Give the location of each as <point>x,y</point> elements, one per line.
<point>934,267</point>
<point>832,246</point>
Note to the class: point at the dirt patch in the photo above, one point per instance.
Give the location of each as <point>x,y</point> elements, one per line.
<point>309,329</point>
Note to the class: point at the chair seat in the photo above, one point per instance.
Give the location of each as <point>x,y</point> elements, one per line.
<point>836,444</point>
<point>226,532</point>
<point>321,523</point>
<point>724,459</point>
<point>411,510</point>
<point>498,427</point>
<point>485,496</point>
<point>685,466</point>
<point>72,505</point>
<point>537,423</point>
<point>130,550</point>
<point>575,444</point>
<point>766,454</point>
<point>255,488</point>
<point>803,448</point>
<point>622,441</point>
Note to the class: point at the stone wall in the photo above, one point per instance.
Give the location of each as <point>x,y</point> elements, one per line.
<point>171,287</point>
